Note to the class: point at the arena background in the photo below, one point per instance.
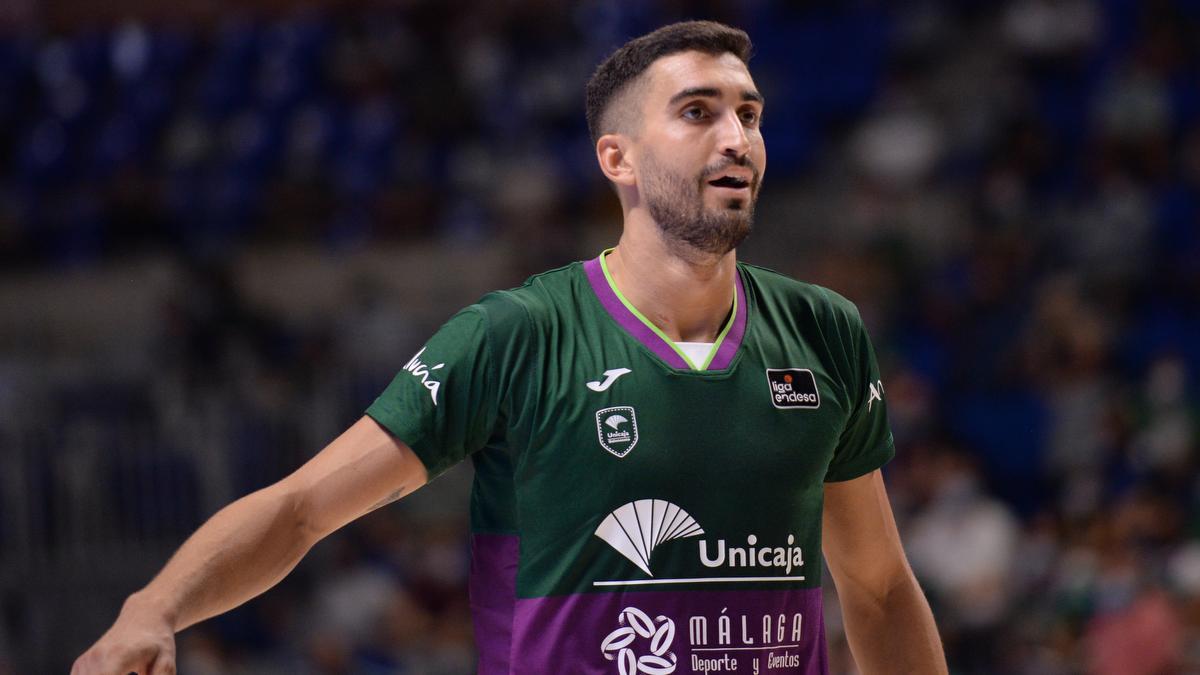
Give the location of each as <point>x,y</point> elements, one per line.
<point>225,225</point>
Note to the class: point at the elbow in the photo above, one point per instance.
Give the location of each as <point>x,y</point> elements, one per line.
<point>296,512</point>
<point>876,588</point>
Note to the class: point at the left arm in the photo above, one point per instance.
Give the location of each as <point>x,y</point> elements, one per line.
<point>888,621</point>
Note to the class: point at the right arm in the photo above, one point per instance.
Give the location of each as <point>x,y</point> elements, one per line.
<point>251,544</point>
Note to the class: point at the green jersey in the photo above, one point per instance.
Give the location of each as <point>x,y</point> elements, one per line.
<point>634,511</point>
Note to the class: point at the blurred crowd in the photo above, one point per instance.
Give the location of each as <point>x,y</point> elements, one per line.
<point>1010,192</point>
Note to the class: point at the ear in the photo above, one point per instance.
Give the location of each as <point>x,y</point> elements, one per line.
<point>612,153</point>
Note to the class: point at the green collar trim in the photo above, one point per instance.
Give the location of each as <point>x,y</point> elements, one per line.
<point>670,343</point>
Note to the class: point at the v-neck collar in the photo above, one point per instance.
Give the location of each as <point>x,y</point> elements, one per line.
<point>637,325</point>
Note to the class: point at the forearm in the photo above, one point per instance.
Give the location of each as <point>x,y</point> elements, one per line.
<point>243,550</point>
<point>251,544</point>
<point>892,633</point>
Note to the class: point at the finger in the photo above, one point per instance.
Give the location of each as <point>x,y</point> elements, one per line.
<point>91,662</point>
<point>122,664</point>
<point>163,665</point>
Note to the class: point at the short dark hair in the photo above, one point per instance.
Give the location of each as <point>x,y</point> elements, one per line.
<point>632,59</point>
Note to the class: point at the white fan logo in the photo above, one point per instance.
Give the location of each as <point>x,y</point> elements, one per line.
<point>637,528</point>
<point>635,623</point>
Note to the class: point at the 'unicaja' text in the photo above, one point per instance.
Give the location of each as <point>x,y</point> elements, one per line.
<point>789,557</point>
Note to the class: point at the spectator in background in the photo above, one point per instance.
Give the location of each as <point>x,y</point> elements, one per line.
<point>964,543</point>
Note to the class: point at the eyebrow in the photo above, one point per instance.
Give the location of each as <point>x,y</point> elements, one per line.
<point>713,92</point>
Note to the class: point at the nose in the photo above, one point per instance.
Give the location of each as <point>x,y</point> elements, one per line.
<point>733,141</point>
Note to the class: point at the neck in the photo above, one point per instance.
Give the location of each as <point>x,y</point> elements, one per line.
<point>686,293</point>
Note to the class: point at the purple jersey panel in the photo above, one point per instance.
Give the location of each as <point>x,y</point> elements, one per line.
<point>493,590</point>
<point>664,632</point>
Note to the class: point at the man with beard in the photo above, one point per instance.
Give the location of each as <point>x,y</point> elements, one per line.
<point>663,437</point>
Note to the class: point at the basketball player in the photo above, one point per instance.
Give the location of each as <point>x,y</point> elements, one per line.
<point>664,439</point>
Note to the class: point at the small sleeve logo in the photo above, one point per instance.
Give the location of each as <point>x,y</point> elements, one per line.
<point>424,372</point>
<point>793,388</point>
<point>875,393</point>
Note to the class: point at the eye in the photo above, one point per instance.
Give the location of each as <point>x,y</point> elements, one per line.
<point>694,113</point>
<point>750,117</point>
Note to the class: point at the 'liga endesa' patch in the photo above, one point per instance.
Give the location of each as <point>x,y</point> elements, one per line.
<point>793,388</point>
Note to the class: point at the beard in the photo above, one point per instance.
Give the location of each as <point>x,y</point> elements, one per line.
<point>677,204</point>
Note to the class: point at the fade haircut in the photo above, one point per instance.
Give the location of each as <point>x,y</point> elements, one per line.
<point>616,74</point>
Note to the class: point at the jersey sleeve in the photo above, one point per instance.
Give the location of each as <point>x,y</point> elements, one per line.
<point>866,441</point>
<point>446,402</point>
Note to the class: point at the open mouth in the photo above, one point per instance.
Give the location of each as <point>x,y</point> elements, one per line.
<point>731,182</point>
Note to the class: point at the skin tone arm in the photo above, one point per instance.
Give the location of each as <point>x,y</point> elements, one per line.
<point>888,621</point>
<point>250,545</point>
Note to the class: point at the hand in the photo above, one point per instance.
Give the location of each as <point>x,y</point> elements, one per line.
<point>141,641</point>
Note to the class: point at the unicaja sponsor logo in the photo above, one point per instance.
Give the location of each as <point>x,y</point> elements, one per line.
<point>424,373</point>
<point>641,645</point>
<point>637,528</point>
<point>617,429</point>
<point>785,558</point>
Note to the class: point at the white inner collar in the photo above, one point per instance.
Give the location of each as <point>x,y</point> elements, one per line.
<point>696,351</point>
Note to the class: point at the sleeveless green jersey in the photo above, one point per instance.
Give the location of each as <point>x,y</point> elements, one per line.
<point>633,512</point>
